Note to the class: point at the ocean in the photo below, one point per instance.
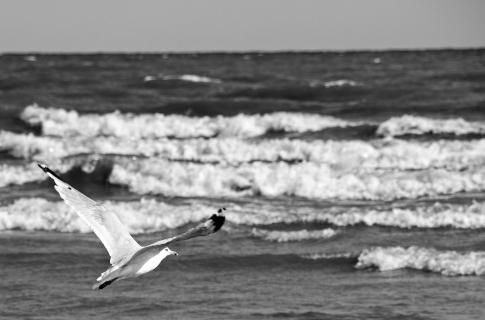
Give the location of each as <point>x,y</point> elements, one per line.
<point>354,183</point>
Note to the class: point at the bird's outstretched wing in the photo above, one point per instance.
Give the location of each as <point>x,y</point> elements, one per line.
<point>211,225</point>
<point>105,224</point>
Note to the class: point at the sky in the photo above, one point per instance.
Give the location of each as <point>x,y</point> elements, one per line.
<point>229,25</point>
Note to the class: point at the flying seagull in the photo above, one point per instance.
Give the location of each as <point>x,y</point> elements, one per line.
<point>128,258</point>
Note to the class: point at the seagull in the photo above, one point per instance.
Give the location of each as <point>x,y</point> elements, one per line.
<point>128,258</point>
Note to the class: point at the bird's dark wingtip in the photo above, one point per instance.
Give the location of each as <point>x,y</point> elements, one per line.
<point>102,285</point>
<point>218,220</point>
<point>47,170</point>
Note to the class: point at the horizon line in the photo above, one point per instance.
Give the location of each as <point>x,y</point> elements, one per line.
<point>250,51</point>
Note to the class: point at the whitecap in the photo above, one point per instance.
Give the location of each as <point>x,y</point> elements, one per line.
<point>342,156</point>
<point>19,174</point>
<point>60,122</point>
<point>30,58</point>
<point>146,215</point>
<point>191,78</point>
<point>329,256</point>
<point>407,124</point>
<point>308,180</point>
<point>340,83</point>
<point>149,78</point>
<point>449,263</point>
<point>435,216</point>
<point>298,235</point>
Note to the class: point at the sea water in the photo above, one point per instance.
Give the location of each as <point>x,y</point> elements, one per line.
<point>353,181</point>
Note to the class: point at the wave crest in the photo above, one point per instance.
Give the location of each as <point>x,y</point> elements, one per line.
<point>19,174</point>
<point>341,155</point>
<point>146,215</point>
<point>308,180</point>
<point>334,83</point>
<point>190,78</point>
<point>450,263</point>
<point>60,122</point>
<point>299,235</point>
<point>435,216</point>
<point>414,125</point>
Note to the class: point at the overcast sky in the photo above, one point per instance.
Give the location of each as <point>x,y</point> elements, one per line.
<point>208,25</point>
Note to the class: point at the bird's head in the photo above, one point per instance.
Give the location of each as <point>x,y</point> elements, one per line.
<point>169,252</point>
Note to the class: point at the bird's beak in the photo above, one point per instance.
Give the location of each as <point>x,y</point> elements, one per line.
<point>175,253</point>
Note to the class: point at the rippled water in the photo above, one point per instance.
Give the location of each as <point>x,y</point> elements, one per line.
<point>354,183</point>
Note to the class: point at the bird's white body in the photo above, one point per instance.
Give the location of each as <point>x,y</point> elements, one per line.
<point>151,263</point>
<point>143,261</point>
<point>128,258</point>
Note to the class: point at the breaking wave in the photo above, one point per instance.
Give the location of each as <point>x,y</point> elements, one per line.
<point>449,263</point>
<point>414,125</point>
<point>341,155</point>
<point>307,180</point>
<point>435,216</point>
<point>19,174</point>
<point>60,122</point>
<point>438,215</point>
<point>278,179</point>
<point>300,235</point>
<point>146,215</point>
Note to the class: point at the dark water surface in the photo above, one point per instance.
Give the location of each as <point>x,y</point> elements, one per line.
<point>354,183</point>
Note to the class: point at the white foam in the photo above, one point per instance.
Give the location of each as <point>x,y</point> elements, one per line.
<point>408,124</point>
<point>147,215</point>
<point>30,146</point>
<point>341,83</point>
<point>191,78</point>
<point>142,216</point>
<point>299,235</point>
<point>450,263</point>
<point>149,78</point>
<point>340,155</point>
<point>325,256</point>
<point>30,58</point>
<point>19,174</point>
<point>184,77</point>
<point>334,83</point>
<point>438,215</point>
<point>309,180</point>
<point>435,216</point>
<point>60,122</point>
